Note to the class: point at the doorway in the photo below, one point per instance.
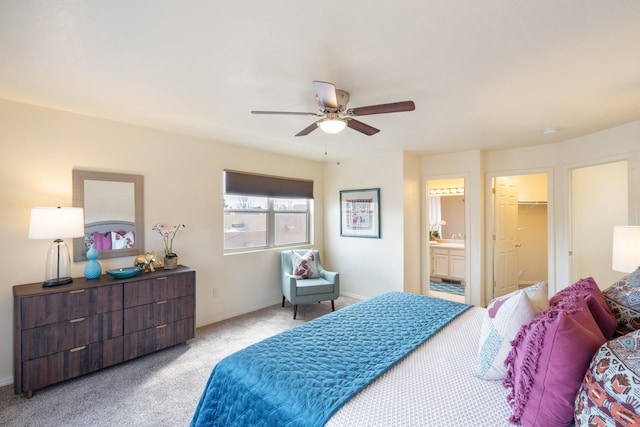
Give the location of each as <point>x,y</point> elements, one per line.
<point>446,237</point>
<point>599,200</point>
<point>519,231</point>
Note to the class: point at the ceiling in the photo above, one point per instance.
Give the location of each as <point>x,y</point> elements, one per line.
<point>484,75</point>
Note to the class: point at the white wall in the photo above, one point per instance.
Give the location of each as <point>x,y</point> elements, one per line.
<point>367,266</point>
<point>412,224</point>
<point>183,183</point>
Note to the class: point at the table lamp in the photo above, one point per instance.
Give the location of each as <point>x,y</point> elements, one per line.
<point>57,223</point>
<point>625,256</point>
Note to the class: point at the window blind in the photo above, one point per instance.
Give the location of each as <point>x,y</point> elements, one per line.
<point>265,185</point>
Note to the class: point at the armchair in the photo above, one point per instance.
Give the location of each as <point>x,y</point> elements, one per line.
<point>304,291</point>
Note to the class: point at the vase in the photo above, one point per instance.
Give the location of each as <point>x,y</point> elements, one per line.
<point>170,263</point>
<point>93,269</point>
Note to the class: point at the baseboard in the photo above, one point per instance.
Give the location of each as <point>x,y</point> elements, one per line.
<point>6,381</point>
<point>240,313</point>
<point>352,295</point>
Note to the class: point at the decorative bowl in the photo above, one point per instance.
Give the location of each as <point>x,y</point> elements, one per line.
<point>124,273</point>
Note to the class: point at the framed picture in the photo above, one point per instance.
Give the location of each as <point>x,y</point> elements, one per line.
<point>360,213</point>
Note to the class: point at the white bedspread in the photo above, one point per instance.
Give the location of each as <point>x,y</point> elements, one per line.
<point>435,386</point>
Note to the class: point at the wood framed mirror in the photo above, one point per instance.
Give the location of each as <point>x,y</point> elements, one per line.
<point>113,213</point>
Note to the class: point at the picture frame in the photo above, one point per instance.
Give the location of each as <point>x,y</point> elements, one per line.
<point>360,213</point>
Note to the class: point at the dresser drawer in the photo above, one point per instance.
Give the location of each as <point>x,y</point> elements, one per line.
<point>61,366</point>
<point>162,288</point>
<point>66,305</point>
<point>161,336</point>
<point>58,337</point>
<point>151,315</point>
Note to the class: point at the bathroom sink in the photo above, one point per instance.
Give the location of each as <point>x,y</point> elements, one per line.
<point>448,245</point>
<point>452,245</point>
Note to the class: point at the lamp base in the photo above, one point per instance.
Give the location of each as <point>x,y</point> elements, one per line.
<point>57,281</point>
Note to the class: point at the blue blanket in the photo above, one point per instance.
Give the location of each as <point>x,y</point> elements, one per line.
<point>302,376</point>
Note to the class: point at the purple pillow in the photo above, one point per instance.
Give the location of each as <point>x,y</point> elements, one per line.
<point>102,241</point>
<point>547,362</point>
<point>598,306</point>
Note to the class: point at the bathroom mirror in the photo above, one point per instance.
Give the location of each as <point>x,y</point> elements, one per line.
<point>113,213</point>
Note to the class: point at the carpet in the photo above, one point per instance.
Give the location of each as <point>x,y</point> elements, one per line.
<point>160,389</point>
<point>450,288</point>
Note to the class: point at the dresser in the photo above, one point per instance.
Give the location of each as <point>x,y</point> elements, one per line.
<point>65,331</point>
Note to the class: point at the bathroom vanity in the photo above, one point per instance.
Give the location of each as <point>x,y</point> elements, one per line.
<point>447,260</point>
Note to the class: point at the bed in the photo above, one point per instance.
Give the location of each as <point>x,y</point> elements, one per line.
<point>420,373</point>
<point>402,359</point>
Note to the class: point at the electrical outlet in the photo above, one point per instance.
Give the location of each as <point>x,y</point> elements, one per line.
<point>215,292</point>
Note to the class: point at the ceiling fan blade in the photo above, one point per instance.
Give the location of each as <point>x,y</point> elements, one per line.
<point>294,113</point>
<point>326,95</point>
<point>306,131</point>
<point>362,127</point>
<point>394,107</point>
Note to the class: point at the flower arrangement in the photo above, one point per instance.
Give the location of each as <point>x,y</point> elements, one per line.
<point>435,228</point>
<point>167,236</point>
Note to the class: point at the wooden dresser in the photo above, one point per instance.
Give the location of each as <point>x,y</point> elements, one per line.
<point>66,331</point>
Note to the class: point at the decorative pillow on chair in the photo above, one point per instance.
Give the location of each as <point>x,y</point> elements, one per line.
<point>501,323</point>
<point>548,361</point>
<point>304,266</point>
<point>589,289</point>
<point>609,392</point>
<point>623,297</point>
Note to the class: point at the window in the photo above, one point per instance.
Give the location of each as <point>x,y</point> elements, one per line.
<point>253,220</point>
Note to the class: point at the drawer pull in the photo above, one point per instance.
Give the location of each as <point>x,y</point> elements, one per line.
<point>73,350</point>
<point>77,291</point>
<point>162,278</point>
<point>161,326</point>
<point>79,319</point>
<point>162,302</point>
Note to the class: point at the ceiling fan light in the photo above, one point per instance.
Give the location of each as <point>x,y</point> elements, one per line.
<point>332,125</point>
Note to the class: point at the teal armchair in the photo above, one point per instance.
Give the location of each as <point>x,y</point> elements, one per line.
<point>305,291</point>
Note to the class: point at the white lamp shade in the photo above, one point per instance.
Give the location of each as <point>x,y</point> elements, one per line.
<point>56,223</point>
<point>332,125</point>
<point>625,256</point>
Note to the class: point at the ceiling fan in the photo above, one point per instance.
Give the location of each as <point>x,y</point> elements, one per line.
<point>334,115</point>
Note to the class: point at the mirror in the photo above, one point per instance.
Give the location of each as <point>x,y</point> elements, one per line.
<point>113,213</point>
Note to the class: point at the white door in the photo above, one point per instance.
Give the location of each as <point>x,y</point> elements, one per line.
<point>505,219</point>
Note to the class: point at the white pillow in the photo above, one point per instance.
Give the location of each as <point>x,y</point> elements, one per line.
<point>304,266</point>
<point>122,240</point>
<point>501,323</point>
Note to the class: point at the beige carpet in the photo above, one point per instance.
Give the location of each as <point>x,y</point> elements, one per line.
<point>161,389</point>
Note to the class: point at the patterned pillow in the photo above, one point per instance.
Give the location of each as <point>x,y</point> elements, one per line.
<point>501,323</point>
<point>596,302</point>
<point>610,392</point>
<point>122,240</point>
<point>623,297</point>
<point>547,363</point>
<point>304,266</point>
